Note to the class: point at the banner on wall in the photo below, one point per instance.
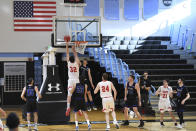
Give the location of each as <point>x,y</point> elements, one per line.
<point>92,8</point>
<point>131,9</point>
<point>111,9</point>
<point>164,4</point>
<point>148,11</point>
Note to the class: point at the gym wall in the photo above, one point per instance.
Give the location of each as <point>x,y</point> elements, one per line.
<point>31,42</point>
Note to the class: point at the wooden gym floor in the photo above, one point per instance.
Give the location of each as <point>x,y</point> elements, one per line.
<point>151,123</point>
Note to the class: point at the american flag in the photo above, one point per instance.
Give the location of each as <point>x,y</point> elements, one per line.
<point>34,15</point>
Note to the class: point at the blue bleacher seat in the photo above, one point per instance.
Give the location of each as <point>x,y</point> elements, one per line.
<point>117,42</point>
<point>115,47</point>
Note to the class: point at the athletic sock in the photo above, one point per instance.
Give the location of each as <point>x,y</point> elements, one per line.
<point>35,126</point>
<point>76,122</point>
<point>87,104</point>
<point>88,122</point>
<point>115,121</point>
<point>92,103</point>
<point>29,123</point>
<point>68,105</point>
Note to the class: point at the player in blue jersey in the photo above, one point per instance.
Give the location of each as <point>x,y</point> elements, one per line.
<point>80,90</point>
<point>29,95</point>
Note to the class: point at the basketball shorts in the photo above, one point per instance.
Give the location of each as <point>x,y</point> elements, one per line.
<point>164,105</point>
<point>108,104</point>
<point>1,125</point>
<point>31,107</point>
<point>179,106</point>
<point>79,104</point>
<point>71,83</point>
<point>130,103</point>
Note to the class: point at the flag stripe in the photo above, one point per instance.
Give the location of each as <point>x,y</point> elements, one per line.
<point>32,25</point>
<point>51,14</point>
<point>43,16</point>
<point>33,21</point>
<point>33,18</point>
<point>44,11</point>
<point>43,2</point>
<point>32,29</point>
<point>40,9</point>
<point>45,7</point>
<point>40,23</point>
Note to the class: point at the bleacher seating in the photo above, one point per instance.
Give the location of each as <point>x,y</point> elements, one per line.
<point>151,55</point>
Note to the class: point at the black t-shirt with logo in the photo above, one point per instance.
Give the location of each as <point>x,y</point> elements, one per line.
<point>181,92</point>
<point>84,72</point>
<point>145,83</point>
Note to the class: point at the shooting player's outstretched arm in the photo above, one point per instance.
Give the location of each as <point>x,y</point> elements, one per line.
<point>67,51</point>
<point>76,55</point>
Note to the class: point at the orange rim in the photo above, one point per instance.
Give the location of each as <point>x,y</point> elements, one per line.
<point>80,42</point>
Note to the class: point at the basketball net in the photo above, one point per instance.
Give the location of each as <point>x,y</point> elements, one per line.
<point>80,46</point>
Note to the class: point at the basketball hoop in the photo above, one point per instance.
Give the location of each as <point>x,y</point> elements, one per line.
<point>80,46</point>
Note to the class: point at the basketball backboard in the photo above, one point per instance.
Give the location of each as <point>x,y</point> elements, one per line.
<point>78,28</point>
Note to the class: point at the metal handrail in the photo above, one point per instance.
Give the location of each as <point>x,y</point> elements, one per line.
<point>192,41</point>
<point>111,65</point>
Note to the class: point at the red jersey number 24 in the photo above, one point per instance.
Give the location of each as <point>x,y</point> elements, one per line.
<point>105,89</point>
<point>73,69</point>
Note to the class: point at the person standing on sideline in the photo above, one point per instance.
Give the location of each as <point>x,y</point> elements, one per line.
<point>86,73</point>
<point>145,87</point>
<point>132,93</point>
<point>29,95</point>
<point>106,87</point>
<point>182,96</point>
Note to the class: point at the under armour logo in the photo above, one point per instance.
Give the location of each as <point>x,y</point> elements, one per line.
<point>56,87</point>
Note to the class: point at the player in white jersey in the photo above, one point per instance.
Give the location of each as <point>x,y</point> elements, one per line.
<point>106,87</point>
<point>73,64</point>
<point>165,92</point>
<point>4,114</point>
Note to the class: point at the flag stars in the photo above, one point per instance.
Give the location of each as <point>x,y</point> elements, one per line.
<point>23,9</point>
